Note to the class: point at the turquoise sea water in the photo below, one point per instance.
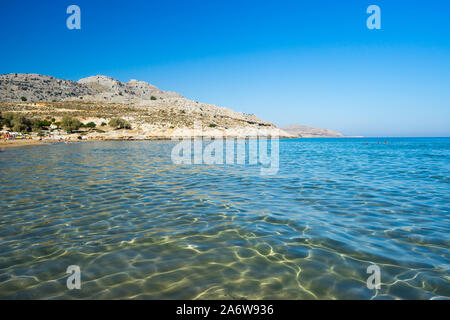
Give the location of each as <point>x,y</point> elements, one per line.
<point>140,226</point>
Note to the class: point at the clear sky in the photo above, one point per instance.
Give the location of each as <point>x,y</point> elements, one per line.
<point>305,62</point>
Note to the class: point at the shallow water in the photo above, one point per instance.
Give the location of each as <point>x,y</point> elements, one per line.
<point>140,226</point>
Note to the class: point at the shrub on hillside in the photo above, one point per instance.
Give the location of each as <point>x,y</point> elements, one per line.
<point>20,123</point>
<point>119,123</point>
<point>35,125</point>
<point>70,124</point>
<point>45,123</point>
<point>9,116</point>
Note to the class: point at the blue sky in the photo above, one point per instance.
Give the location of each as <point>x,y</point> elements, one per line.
<point>304,62</point>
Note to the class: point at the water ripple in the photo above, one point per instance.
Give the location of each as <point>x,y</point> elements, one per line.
<point>141,227</point>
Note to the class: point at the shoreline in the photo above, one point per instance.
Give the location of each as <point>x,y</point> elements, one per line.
<point>17,143</point>
<point>20,143</point>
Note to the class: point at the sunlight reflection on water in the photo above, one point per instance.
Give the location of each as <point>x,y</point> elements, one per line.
<point>140,226</point>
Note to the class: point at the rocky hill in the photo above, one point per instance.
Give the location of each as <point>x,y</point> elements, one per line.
<point>36,87</point>
<point>151,111</point>
<point>311,132</point>
<point>134,91</point>
<point>40,88</point>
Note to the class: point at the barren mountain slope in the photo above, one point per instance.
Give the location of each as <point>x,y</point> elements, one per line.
<point>151,111</point>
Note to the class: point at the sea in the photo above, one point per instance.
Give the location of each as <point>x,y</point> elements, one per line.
<point>350,218</point>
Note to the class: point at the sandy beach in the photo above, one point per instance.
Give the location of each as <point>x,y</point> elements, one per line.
<point>19,143</point>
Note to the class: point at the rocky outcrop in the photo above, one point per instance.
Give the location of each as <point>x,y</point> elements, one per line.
<point>134,91</point>
<point>36,87</point>
<point>41,88</point>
